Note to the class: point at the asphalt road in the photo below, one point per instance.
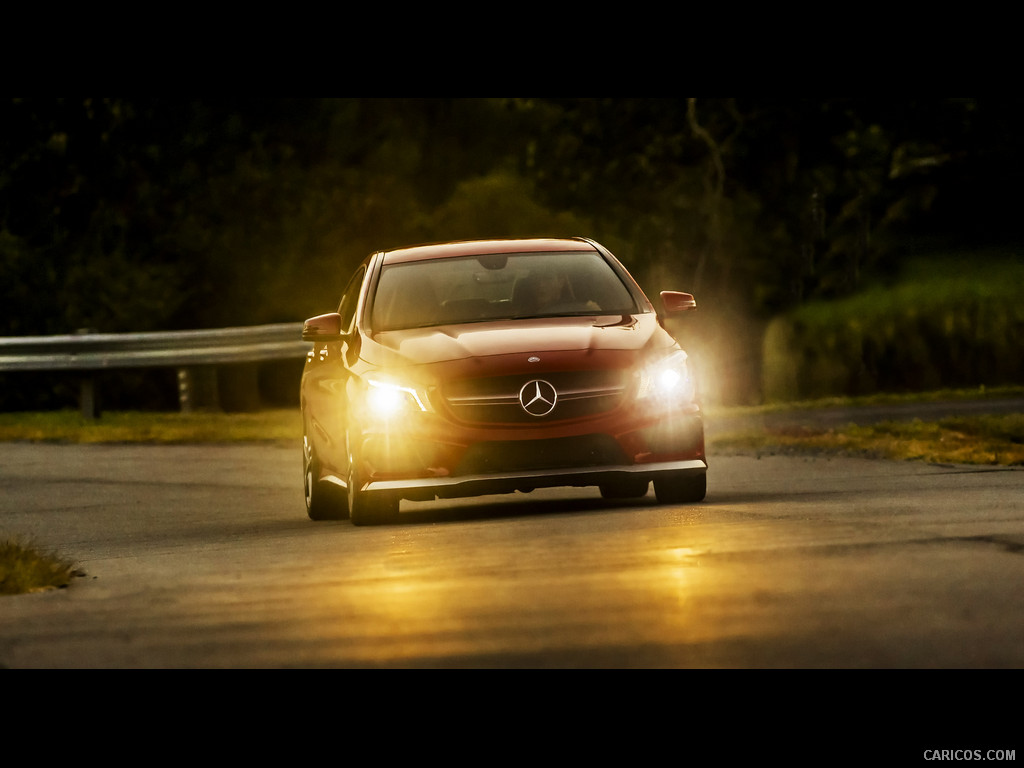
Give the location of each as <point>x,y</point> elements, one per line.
<point>202,557</point>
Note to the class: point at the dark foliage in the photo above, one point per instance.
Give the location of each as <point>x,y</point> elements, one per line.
<point>158,214</point>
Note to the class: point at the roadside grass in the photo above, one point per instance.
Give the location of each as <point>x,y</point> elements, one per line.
<point>25,567</point>
<point>988,440</point>
<point>886,398</point>
<point>984,439</point>
<point>975,440</point>
<point>278,425</point>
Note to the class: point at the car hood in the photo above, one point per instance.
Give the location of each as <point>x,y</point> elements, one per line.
<point>627,334</point>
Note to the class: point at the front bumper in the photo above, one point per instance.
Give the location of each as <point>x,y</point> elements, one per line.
<point>424,464</point>
<point>529,480</point>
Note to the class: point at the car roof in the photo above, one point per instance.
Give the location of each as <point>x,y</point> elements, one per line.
<point>480,247</point>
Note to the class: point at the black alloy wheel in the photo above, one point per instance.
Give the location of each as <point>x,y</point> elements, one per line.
<point>324,501</point>
<point>368,507</point>
<point>625,489</point>
<point>683,488</point>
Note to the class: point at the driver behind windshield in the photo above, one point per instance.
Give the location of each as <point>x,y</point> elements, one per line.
<point>548,290</point>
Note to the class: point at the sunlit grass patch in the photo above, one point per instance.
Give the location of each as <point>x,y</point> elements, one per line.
<point>132,427</point>
<point>948,441</point>
<point>972,394</point>
<point>25,568</point>
<point>988,440</point>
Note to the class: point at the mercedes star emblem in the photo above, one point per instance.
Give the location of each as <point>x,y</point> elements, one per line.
<point>538,397</point>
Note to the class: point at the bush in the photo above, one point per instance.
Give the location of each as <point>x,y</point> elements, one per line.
<point>945,324</point>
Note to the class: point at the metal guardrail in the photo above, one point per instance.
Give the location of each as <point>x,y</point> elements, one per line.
<point>98,351</point>
<point>188,351</point>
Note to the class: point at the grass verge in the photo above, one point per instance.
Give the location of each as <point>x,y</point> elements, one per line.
<point>986,440</point>
<point>26,568</point>
<point>149,427</point>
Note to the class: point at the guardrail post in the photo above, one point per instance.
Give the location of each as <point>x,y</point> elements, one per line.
<point>88,397</point>
<point>197,389</point>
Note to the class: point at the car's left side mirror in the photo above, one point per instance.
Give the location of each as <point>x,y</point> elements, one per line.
<point>322,328</point>
<point>677,301</point>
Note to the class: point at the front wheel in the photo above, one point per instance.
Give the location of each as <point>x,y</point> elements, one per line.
<point>324,501</point>
<point>369,507</point>
<point>625,489</point>
<point>683,488</point>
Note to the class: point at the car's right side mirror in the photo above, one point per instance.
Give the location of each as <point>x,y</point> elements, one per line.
<point>677,301</point>
<point>322,328</point>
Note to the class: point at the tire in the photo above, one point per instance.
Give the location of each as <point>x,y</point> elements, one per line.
<point>625,489</point>
<point>324,501</point>
<point>369,508</point>
<point>687,488</point>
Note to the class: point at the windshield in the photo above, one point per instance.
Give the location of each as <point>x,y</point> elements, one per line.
<point>497,287</point>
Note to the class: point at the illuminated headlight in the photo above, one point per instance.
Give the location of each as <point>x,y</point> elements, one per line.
<point>387,400</point>
<point>667,381</point>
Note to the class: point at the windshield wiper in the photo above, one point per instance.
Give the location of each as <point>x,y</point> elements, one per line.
<point>626,321</point>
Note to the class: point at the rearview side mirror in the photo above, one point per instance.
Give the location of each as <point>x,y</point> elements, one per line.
<point>322,328</point>
<point>677,301</point>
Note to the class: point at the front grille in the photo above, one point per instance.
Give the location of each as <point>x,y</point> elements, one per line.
<point>555,453</point>
<point>496,400</point>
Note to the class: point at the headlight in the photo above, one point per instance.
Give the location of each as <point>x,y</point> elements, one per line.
<point>388,400</point>
<point>667,381</point>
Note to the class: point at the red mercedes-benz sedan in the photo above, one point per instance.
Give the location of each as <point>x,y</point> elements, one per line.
<point>471,368</point>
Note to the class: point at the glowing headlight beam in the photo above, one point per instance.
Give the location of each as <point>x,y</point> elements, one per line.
<point>386,400</point>
<point>667,380</point>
